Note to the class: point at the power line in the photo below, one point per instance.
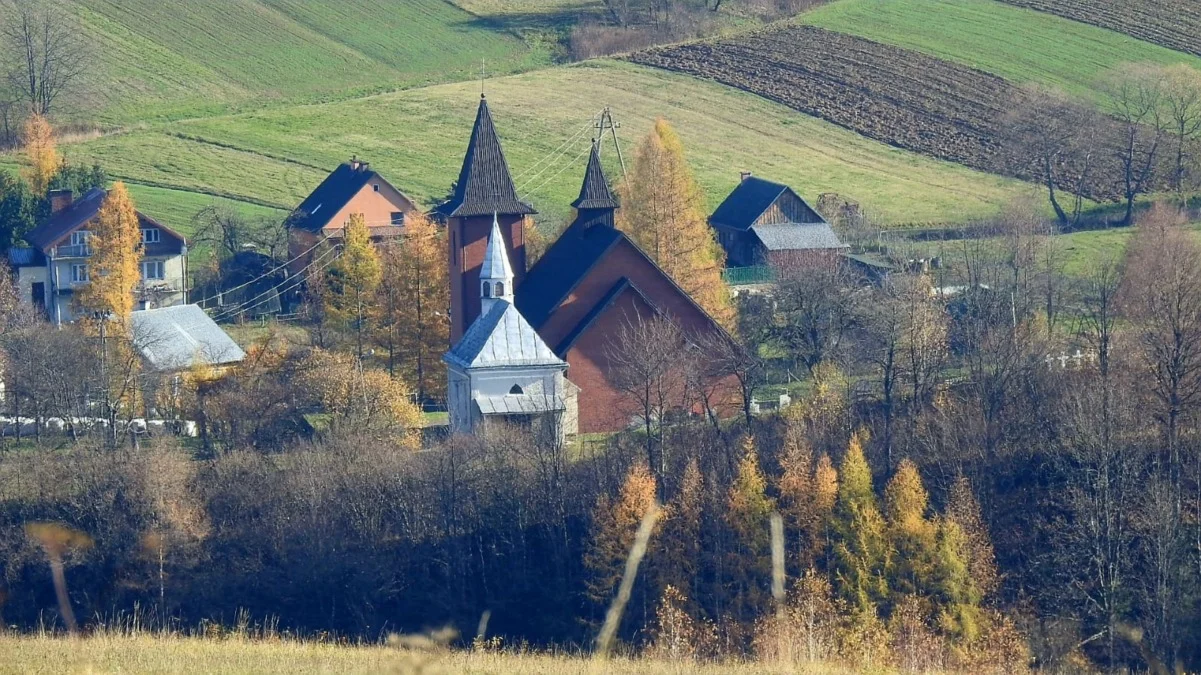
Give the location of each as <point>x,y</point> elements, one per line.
<point>559,172</point>
<point>242,306</point>
<point>265,274</point>
<point>587,125</point>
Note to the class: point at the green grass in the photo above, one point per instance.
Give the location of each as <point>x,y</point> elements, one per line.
<point>1017,44</point>
<point>417,139</point>
<point>155,60</point>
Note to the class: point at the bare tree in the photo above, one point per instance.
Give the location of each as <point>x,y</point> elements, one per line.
<point>1136,98</point>
<point>1056,137</point>
<point>1182,100</point>
<point>229,233</point>
<point>46,54</point>
<point>818,307</point>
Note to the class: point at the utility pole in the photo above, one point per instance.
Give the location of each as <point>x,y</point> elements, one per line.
<point>607,123</point>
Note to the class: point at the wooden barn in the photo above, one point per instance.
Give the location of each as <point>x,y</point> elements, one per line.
<point>766,223</point>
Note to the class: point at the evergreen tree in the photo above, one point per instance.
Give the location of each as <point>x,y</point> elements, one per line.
<point>860,549</point>
<point>663,212</point>
<point>748,516</point>
<point>41,154</point>
<point>113,270</point>
<point>19,210</point>
<point>913,538</point>
<point>354,278</point>
<point>414,302</point>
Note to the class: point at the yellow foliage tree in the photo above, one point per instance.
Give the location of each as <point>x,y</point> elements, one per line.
<point>614,525</point>
<point>113,273</point>
<point>414,304</point>
<point>40,153</point>
<point>663,212</point>
<point>912,535</point>
<point>807,496</point>
<point>861,553</point>
<point>341,386</point>
<point>748,513</point>
<point>354,278</point>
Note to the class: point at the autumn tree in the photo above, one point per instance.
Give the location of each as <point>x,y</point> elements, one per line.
<point>681,562</point>
<point>41,154</point>
<point>861,555</point>
<point>113,270</point>
<point>808,491</point>
<point>1135,95</point>
<point>816,310</point>
<point>663,212</point>
<point>912,536</point>
<point>614,526</point>
<point>353,279</point>
<point>748,512</point>
<point>366,396</point>
<point>414,301</point>
<point>1182,104</point>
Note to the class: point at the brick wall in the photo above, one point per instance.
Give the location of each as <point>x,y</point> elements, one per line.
<point>467,244</point>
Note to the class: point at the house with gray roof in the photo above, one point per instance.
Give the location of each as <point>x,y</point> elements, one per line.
<point>767,223</point>
<point>501,371</point>
<point>175,339</point>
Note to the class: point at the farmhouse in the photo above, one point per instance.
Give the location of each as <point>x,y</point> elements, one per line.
<point>176,339</point>
<point>49,272</point>
<point>351,188</point>
<point>589,284</point>
<point>766,223</point>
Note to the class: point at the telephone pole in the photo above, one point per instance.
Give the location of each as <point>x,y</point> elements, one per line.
<point>607,123</point>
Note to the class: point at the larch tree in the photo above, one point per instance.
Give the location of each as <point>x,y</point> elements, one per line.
<point>414,305</point>
<point>748,513</point>
<point>41,154</point>
<point>912,536</point>
<point>681,560</point>
<point>113,270</point>
<point>663,212</point>
<point>614,526</point>
<point>860,551</point>
<point>354,278</point>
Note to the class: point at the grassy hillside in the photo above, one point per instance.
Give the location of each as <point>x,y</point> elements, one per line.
<point>154,59</point>
<point>1020,45</point>
<point>417,138</point>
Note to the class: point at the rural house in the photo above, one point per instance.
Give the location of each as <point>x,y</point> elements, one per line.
<point>589,284</point>
<point>351,188</point>
<point>56,264</point>
<point>501,369</point>
<point>176,339</point>
<point>766,223</point>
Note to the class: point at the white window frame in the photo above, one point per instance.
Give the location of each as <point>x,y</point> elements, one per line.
<point>79,273</point>
<point>156,265</point>
<point>151,235</point>
<point>80,237</point>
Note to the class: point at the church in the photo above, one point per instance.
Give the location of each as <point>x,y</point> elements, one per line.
<point>531,345</point>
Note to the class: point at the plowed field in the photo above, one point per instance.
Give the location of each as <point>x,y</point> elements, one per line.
<point>1175,24</point>
<point>894,95</point>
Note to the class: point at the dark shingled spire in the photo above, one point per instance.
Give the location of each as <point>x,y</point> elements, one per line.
<point>485,186</point>
<point>595,193</point>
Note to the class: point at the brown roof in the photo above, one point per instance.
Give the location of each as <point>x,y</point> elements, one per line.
<point>485,185</point>
<point>81,212</point>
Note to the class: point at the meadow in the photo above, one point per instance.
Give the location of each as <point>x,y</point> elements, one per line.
<point>154,60</point>
<point>1051,51</point>
<point>417,138</point>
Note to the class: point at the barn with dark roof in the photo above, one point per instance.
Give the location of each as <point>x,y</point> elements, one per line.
<point>767,223</point>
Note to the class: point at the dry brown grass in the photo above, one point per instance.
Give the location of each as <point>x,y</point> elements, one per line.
<point>157,654</point>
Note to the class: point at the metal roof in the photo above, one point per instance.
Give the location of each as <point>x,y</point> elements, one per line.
<point>180,337</point>
<point>798,236</point>
<point>485,185</point>
<point>496,258</point>
<point>20,256</point>
<point>519,404</point>
<point>500,338</point>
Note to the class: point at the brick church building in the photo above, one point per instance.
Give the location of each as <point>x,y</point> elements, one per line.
<point>588,284</point>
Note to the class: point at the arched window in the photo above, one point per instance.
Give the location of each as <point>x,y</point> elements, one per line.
<point>516,389</point>
<point>500,289</point>
<point>487,292</point>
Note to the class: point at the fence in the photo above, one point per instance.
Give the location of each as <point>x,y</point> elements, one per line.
<point>746,276</point>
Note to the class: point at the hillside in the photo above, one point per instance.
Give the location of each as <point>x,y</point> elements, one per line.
<point>417,138</point>
<point>157,60</point>
<point>1172,23</point>
<point>1052,51</point>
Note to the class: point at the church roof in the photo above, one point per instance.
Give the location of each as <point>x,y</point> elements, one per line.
<point>496,259</point>
<point>562,268</point>
<point>485,185</point>
<point>501,338</point>
<point>595,192</point>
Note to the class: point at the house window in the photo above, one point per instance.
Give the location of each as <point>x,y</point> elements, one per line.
<point>398,218</point>
<point>152,270</point>
<point>375,187</point>
<point>516,390</point>
<point>79,274</point>
<point>151,235</point>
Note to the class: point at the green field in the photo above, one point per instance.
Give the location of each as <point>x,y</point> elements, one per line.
<point>417,139</point>
<point>155,60</point>
<point>1019,45</point>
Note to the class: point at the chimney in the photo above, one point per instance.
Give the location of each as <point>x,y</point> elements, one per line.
<point>59,200</point>
<point>745,175</point>
<point>355,163</point>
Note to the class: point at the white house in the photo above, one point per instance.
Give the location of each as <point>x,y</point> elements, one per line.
<point>501,370</point>
<point>49,273</point>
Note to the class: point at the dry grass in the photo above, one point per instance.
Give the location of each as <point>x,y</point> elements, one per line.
<point>150,654</point>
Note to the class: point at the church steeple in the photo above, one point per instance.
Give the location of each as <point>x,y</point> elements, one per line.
<point>596,202</point>
<point>496,274</point>
<point>485,185</point>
